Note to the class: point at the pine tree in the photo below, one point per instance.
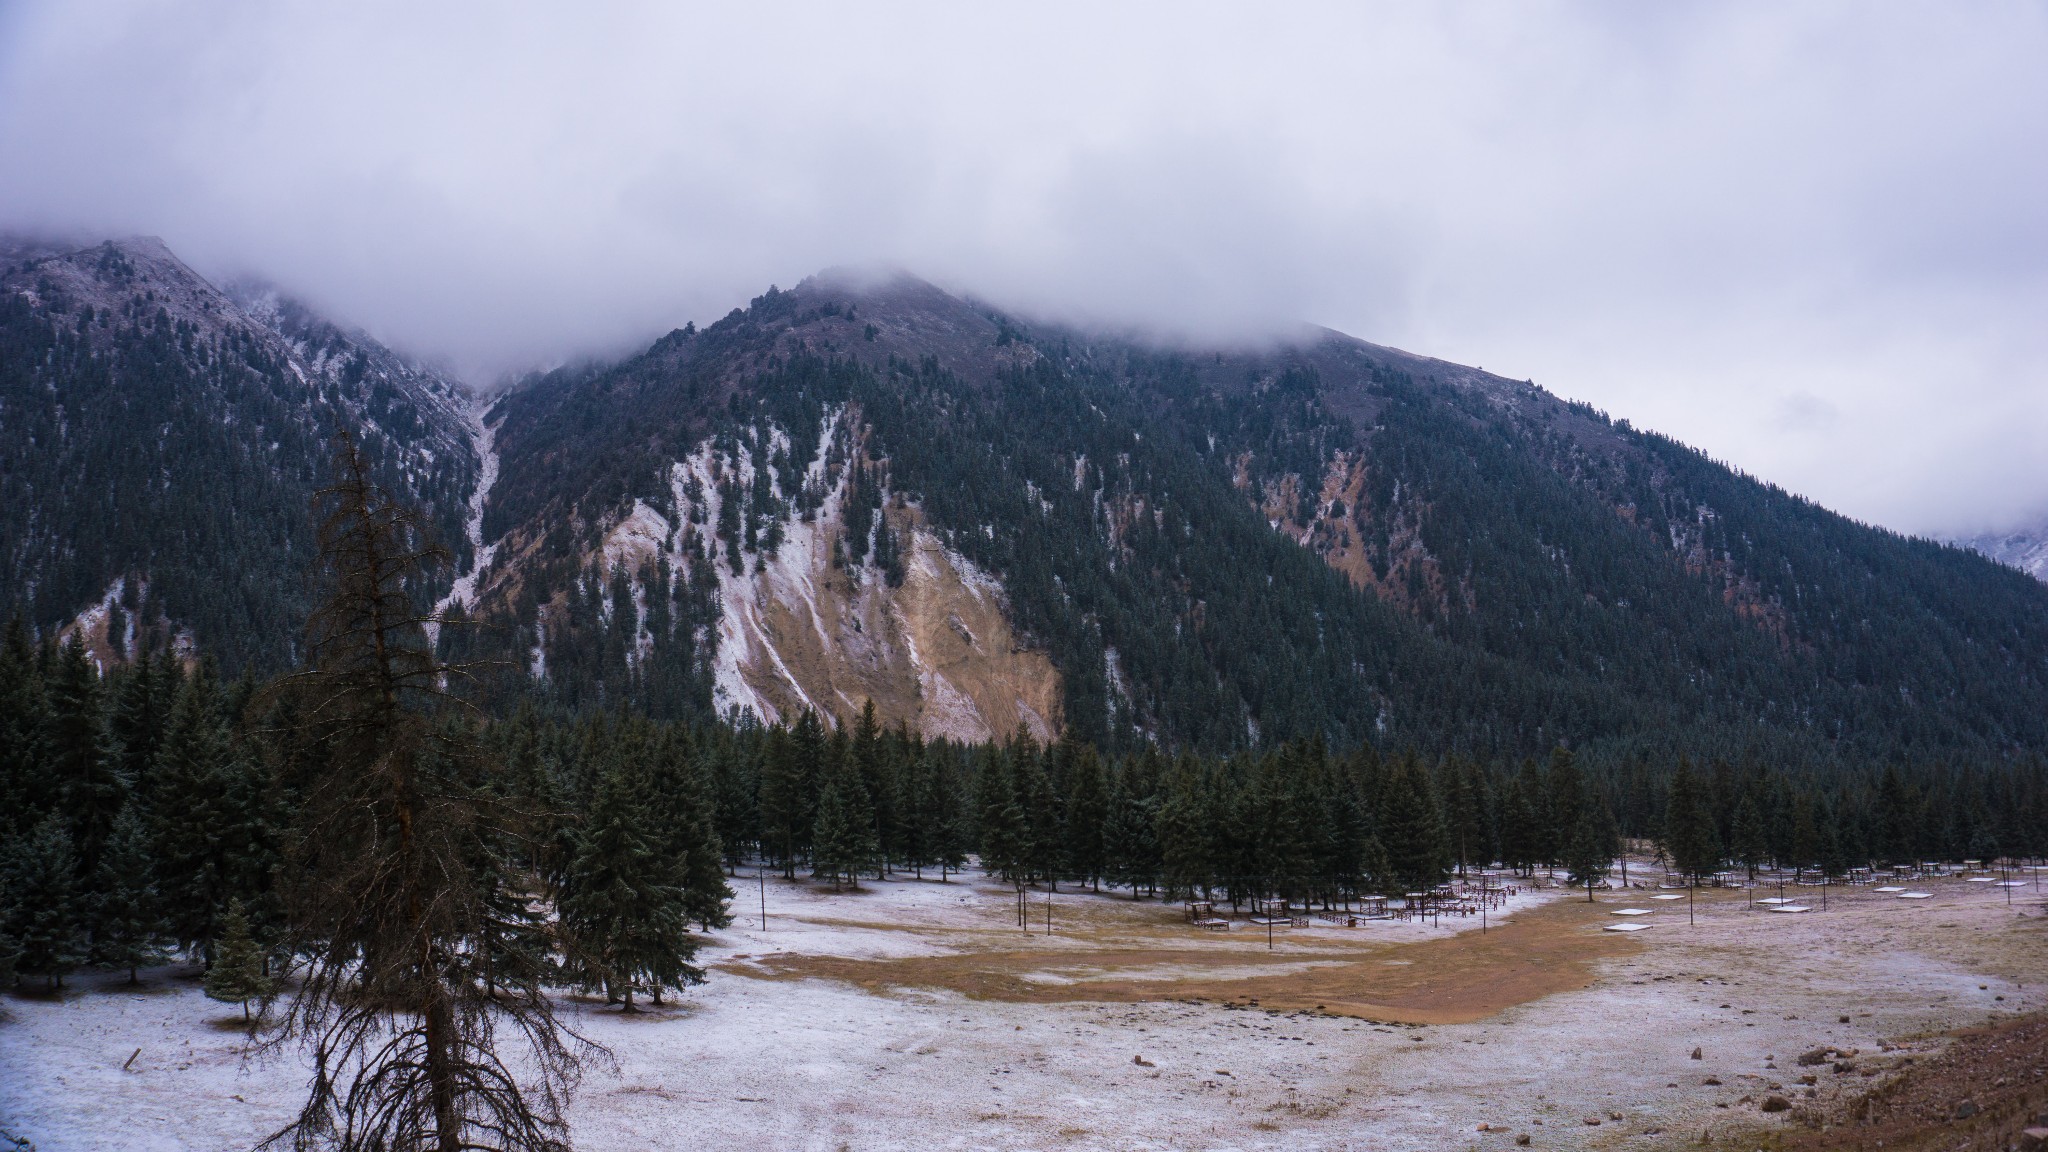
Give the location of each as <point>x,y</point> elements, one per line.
<point>679,797</point>
<point>1186,842</point>
<point>187,804</point>
<point>1747,844</point>
<point>1087,813</point>
<point>1566,795</point>
<point>789,784</point>
<point>1471,841</point>
<point>999,819</point>
<point>624,908</point>
<point>1688,825</point>
<point>238,974</point>
<point>843,838</point>
<point>44,919</point>
<point>1590,850</point>
<point>945,808</point>
<point>1805,833</point>
<point>26,791</point>
<point>81,756</point>
<point>127,919</point>
<point>140,716</point>
<point>1411,826</point>
<point>1130,836</point>
<point>1520,837</point>
<point>394,813</point>
<point>878,773</point>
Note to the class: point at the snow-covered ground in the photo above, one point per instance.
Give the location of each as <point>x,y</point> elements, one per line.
<point>764,1056</point>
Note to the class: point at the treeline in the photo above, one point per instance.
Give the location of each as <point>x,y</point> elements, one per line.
<point>145,810</point>
<point>154,812</point>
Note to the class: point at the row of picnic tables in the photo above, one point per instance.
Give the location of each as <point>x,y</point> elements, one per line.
<point>1458,899</point>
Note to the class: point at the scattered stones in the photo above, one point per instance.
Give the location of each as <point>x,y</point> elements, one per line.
<point>1966,1109</point>
<point>2034,1140</point>
<point>1776,1103</point>
<point>1696,1054</point>
<point>1592,1121</point>
<point>1711,1082</point>
<point>1522,1138</point>
<point>1845,1020</point>
<point>1141,1062</point>
<point>1816,1057</point>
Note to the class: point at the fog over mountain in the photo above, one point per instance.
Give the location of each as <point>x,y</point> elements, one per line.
<point>1809,241</point>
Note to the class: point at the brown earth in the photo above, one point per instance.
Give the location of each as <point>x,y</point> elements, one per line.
<point>1450,980</point>
<point>936,653</point>
<point>1979,1093</point>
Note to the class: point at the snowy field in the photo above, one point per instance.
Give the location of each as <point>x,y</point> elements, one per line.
<point>918,1015</point>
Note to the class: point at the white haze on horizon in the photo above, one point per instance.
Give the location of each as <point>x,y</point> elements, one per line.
<point>1808,239</point>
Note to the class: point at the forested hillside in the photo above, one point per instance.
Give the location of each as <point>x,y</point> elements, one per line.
<point>160,442</point>
<point>1323,538</point>
<point>875,490</point>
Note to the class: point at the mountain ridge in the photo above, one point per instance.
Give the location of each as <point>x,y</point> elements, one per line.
<point>992,522</point>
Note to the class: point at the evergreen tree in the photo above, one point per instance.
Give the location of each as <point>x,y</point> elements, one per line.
<point>140,715</point>
<point>679,797</point>
<point>188,806</point>
<point>1747,844</point>
<point>843,839</point>
<point>1002,833</point>
<point>1411,827</point>
<point>1565,795</point>
<point>81,756</point>
<point>26,791</point>
<point>1186,841</point>
<point>1805,834</point>
<point>624,909</point>
<point>127,919</point>
<point>239,971</point>
<point>1520,837</point>
<point>1590,850</point>
<point>945,809</point>
<point>789,782</point>
<point>1688,825</point>
<point>878,771</point>
<point>394,813</point>
<point>1087,813</point>
<point>44,917</point>
<point>1130,834</point>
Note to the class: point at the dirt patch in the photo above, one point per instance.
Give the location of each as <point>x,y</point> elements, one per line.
<point>1451,980</point>
<point>1978,1093</point>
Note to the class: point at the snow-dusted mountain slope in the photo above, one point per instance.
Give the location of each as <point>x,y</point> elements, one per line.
<point>163,439</point>
<point>2025,549</point>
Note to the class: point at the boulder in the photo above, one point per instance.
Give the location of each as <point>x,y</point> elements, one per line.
<point>1776,1103</point>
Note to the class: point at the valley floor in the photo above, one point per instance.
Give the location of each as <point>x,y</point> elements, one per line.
<point>918,1015</point>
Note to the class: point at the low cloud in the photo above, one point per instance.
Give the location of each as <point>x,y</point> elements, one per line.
<point>1708,218</point>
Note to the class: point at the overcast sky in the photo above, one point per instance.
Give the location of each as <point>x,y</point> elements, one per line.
<point>1811,239</point>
